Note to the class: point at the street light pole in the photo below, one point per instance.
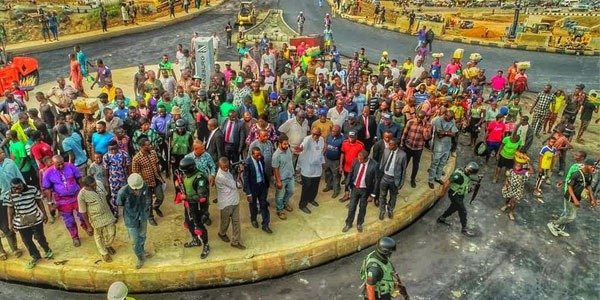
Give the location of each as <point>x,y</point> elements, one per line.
<point>513,29</point>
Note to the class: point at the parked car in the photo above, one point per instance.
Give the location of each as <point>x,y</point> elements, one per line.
<point>507,6</point>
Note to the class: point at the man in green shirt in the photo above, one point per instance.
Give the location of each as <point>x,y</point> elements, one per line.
<point>225,108</point>
<point>22,160</point>
<point>166,65</point>
<point>579,157</point>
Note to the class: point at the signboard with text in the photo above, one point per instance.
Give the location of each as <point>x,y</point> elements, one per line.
<point>204,58</point>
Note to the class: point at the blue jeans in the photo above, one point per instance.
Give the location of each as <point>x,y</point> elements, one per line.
<point>137,235</point>
<point>283,195</point>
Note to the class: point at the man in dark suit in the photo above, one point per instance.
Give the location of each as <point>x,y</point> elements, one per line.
<point>393,168</point>
<point>368,127</point>
<point>289,113</point>
<point>256,186</point>
<point>362,180</point>
<point>214,144</point>
<point>377,154</point>
<point>234,136</point>
<point>380,146</point>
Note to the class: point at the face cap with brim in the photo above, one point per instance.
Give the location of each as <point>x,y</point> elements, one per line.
<point>589,162</point>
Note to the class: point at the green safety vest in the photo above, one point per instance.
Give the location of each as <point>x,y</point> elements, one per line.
<point>461,189</point>
<point>179,143</point>
<point>195,186</point>
<point>387,284</point>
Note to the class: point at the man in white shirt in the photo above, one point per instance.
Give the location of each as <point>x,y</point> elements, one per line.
<point>338,114</point>
<point>417,70</point>
<point>296,129</point>
<point>310,163</point>
<point>394,69</point>
<point>228,203</point>
<point>321,69</point>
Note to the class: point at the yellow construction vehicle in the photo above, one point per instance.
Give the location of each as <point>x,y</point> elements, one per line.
<point>246,15</point>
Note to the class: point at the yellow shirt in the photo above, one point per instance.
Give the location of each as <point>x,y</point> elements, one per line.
<point>558,104</point>
<point>260,101</point>
<point>21,136</point>
<point>431,89</point>
<point>408,67</point>
<point>459,112</point>
<point>112,92</point>
<point>471,72</point>
<point>324,126</point>
<point>547,157</point>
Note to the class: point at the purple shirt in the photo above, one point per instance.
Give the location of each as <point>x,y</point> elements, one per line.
<point>64,182</point>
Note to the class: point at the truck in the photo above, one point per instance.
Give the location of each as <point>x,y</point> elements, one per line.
<point>22,69</point>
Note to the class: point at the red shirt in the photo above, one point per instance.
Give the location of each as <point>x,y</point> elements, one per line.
<point>350,151</point>
<point>40,150</point>
<point>495,131</point>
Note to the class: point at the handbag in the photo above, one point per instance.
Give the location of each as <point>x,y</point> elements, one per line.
<point>26,220</point>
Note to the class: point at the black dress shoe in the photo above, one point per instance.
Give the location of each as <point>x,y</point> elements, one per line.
<point>390,215</point>
<point>346,228</point>
<point>314,203</point>
<point>215,200</point>
<point>441,220</point>
<point>413,184</point>
<point>267,230</point>
<point>439,181</point>
<point>207,222</point>
<point>430,185</point>
<point>467,233</point>
<point>359,228</point>
<point>335,194</point>
<point>381,215</point>
<point>254,224</point>
<point>327,189</point>
<point>152,222</point>
<point>224,238</point>
<point>305,209</point>
<point>158,212</point>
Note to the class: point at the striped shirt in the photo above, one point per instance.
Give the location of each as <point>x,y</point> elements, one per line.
<point>24,203</point>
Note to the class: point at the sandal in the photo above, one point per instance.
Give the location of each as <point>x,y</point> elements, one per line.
<point>32,263</point>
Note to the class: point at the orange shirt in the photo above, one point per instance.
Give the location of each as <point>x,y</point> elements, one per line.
<point>512,72</point>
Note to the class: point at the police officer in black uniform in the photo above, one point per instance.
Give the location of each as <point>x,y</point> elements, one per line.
<point>380,279</point>
<point>460,186</point>
<point>194,188</point>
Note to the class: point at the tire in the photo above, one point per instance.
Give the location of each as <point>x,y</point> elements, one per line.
<point>30,80</point>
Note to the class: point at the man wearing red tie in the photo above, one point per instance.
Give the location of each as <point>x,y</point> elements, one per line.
<point>361,181</point>
<point>234,137</point>
<point>368,128</point>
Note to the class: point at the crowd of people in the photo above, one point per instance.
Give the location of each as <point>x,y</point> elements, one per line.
<point>283,119</point>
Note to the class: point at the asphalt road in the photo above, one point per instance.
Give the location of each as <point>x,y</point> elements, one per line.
<point>562,71</point>
<point>506,260</point>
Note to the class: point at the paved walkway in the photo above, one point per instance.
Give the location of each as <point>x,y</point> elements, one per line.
<point>37,46</point>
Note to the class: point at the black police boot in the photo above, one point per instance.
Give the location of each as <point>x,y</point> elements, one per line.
<point>205,251</point>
